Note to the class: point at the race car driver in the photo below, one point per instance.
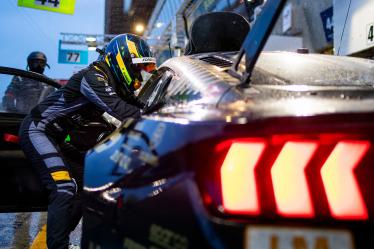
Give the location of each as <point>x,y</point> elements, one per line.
<point>105,87</point>
<point>22,94</point>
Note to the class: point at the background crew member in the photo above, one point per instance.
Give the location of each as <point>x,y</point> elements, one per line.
<point>22,94</point>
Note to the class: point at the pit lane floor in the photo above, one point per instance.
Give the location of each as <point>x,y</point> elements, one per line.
<point>27,231</point>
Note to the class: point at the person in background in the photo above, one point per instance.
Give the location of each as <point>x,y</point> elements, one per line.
<point>22,94</point>
<point>104,89</point>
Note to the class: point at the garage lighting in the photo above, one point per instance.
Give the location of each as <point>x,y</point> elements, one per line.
<point>159,25</point>
<point>139,28</point>
<point>90,39</point>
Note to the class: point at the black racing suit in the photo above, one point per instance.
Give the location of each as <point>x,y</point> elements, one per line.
<point>89,93</point>
<point>22,94</point>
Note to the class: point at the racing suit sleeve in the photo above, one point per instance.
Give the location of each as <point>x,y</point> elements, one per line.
<point>11,93</point>
<point>96,88</point>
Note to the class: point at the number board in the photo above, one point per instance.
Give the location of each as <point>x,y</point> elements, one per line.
<point>61,6</point>
<point>370,34</point>
<point>66,56</point>
<point>328,23</point>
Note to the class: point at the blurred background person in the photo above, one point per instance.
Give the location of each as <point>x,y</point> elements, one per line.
<point>22,94</point>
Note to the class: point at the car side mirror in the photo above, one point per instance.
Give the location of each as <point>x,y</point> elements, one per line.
<point>156,93</point>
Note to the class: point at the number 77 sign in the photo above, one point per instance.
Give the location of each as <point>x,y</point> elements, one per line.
<point>72,56</point>
<point>61,6</point>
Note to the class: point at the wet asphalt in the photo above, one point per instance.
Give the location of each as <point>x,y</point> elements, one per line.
<point>20,230</point>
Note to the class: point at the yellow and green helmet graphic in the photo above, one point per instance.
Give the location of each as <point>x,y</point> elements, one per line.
<point>123,53</point>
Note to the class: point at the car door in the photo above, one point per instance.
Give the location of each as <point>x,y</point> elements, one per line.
<point>127,157</point>
<point>20,188</point>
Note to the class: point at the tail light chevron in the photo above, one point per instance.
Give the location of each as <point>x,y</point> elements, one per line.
<point>291,188</point>
<point>289,181</point>
<point>238,179</point>
<point>343,194</point>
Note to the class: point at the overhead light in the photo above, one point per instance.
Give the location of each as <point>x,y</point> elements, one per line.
<point>91,43</point>
<point>159,25</point>
<point>90,39</point>
<point>139,28</point>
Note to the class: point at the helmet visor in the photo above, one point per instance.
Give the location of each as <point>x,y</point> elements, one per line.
<point>142,73</point>
<point>37,63</point>
<point>148,67</point>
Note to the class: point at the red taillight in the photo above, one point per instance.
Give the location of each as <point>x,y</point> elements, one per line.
<point>295,163</point>
<point>238,180</point>
<point>11,138</point>
<point>288,175</point>
<point>343,194</point>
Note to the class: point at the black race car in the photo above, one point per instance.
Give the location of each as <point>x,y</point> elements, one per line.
<point>235,152</point>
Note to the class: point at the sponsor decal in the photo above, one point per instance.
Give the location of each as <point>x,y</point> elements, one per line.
<point>167,238</point>
<point>108,89</point>
<point>158,135</point>
<point>132,244</point>
<point>144,60</point>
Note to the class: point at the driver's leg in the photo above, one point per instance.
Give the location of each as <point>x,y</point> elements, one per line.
<point>46,158</point>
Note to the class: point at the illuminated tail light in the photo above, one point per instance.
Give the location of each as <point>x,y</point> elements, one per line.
<point>343,194</point>
<point>289,181</point>
<point>238,180</point>
<point>11,138</point>
<point>289,173</point>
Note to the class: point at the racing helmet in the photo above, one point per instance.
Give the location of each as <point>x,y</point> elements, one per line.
<point>36,62</point>
<point>130,60</point>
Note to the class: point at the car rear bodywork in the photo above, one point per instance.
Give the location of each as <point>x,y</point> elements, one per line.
<point>161,181</point>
